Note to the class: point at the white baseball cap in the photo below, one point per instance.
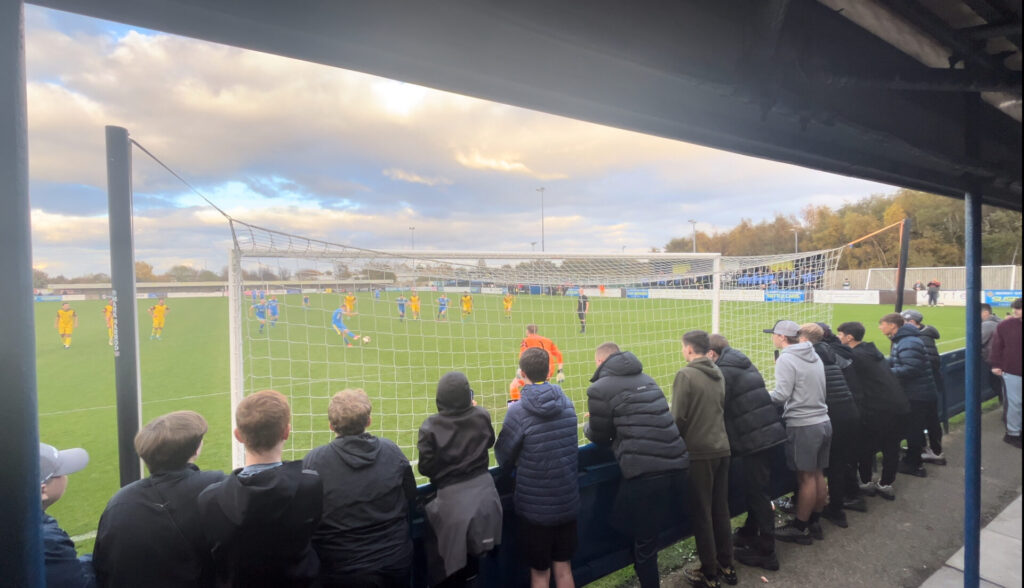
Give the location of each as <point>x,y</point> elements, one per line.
<point>54,462</point>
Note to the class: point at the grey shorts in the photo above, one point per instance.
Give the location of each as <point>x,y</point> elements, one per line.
<point>807,447</point>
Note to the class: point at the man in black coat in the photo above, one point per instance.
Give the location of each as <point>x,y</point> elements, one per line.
<point>909,361</point>
<point>883,406</point>
<point>929,335</point>
<point>151,533</point>
<point>629,412</point>
<point>754,428</point>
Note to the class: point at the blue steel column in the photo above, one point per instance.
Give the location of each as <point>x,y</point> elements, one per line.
<point>122,277</point>
<point>972,396</point>
<point>21,557</point>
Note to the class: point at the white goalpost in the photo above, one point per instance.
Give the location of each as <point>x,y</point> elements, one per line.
<point>644,302</point>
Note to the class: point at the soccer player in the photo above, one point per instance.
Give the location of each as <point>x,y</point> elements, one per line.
<point>414,306</point>
<point>305,302</point>
<point>260,310</point>
<point>273,309</point>
<point>442,308</point>
<point>65,323</point>
<point>159,313</point>
<point>108,315</point>
<point>350,303</point>
<point>507,303</point>
<point>401,301</point>
<point>338,322</point>
<point>467,306</point>
<point>532,339</point>
<point>582,308</point>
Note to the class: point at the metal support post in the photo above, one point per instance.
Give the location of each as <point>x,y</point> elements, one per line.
<point>901,271</point>
<point>972,392</point>
<point>21,554</point>
<point>716,297</point>
<point>235,354</point>
<point>127,382</point>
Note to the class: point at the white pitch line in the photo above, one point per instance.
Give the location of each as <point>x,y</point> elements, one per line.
<point>84,536</point>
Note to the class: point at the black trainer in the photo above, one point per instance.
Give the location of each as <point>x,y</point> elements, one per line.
<point>751,557</point>
<point>837,518</point>
<point>858,504</point>
<point>790,534</point>
<point>816,531</point>
<point>905,468</point>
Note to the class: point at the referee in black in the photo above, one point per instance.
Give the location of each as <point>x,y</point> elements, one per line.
<point>582,307</point>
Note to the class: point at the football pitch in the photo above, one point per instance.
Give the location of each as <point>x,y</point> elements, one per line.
<point>399,368</point>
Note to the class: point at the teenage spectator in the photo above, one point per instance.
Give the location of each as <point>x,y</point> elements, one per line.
<point>754,428</point>
<point>884,405</point>
<point>844,359</point>
<point>260,519</point>
<point>845,419</point>
<point>61,563</point>
<point>933,292</point>
<point>363,537</point>
<point>466,513</point>
<point>932,451</point>
<point>800,389</point>
<point>908,358</point>
<point>628,411</point>
<point>1006,362</point>
<point>539,439</point>
<point>698,406</point>
<point>989,322</point>
<point>151,534</point>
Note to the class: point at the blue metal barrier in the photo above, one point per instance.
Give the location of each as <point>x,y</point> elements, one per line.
<point>603,550</point>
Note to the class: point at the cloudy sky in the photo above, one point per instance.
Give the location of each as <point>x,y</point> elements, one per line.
<point>350,158</point>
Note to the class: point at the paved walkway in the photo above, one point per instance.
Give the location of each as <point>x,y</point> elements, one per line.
<point>902,543</point>
<point>1000,554</point>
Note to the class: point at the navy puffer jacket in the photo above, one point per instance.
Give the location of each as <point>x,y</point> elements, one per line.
<point>539,439</point>
<point>751,420</point>
<point>909,361</point>
<point>838,396</point>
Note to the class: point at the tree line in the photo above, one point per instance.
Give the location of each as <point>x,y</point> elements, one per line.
<point>937,232</point>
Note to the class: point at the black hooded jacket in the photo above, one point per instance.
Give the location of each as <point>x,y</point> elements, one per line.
<point>630,412</point>
<point>910,363</point>
<point>368,485</point>
<point>752,422</point>
<point>453,443</point>
<point>841,406</point>
<point>259,527</point>
<point>878,384</point>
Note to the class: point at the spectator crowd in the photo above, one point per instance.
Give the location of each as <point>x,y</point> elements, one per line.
<point>341,516</point>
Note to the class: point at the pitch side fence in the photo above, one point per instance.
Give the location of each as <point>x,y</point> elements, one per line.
<point>602,550</point>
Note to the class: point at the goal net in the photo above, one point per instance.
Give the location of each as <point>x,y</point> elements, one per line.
<point>643,302</point>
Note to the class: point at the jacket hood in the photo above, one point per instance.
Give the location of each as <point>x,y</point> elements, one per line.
<point>929,331</point>
<point>258,497</point>
<point>454,393</point>
<point>824,351</point>
<point>803,351</point>
<point>544,400</point>
<point>906,331</point>
<point>868,348</point>
<point>358,451</point>
<point>623,363</point>
<point>733,358</point>
<point>706,366</point>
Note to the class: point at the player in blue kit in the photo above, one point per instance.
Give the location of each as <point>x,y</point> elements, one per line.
<point>338,322</point>
<point>260,310</point>
<point>401,301</point>
<point>442,308</point>
<point>273,310</point>
<point>305,302</point>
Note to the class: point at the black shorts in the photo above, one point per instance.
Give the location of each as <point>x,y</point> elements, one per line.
<point>582,315</point>
<point>542,544</point>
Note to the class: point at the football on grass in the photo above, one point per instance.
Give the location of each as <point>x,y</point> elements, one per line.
<point>366,339</point>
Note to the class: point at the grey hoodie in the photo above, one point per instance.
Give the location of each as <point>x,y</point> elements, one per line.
<point>800,386</point>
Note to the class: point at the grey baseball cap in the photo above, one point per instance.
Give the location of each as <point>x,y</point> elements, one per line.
<point>912,315</point>
<point>54,462</point>
<point>784,328</point>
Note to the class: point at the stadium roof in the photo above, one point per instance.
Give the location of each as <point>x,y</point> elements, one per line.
<point>918,93</point>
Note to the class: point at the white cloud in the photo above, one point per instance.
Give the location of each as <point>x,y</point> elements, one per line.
<point>413,178</point>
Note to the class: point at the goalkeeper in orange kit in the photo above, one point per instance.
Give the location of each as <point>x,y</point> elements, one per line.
<point>532,339</point>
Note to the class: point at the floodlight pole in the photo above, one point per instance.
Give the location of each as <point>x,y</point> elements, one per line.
<point>21,544</point>
<point>412,238</point>
<point>127,382</point>
<point>901,271</point>
<point>796,241</point>
<point>693,225</point>
<point>541,190</point>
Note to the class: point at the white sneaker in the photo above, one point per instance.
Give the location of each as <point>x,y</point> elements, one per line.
<point>868,489</point>
<point>886,492</point>
<point>929,456</point>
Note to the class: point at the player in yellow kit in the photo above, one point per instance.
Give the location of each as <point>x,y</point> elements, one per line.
<point>414,305</point>
<point>159,313</point>
<point>108,315</point>
<point>350,303</point>
<point>467,306</point>
<point>65,322</point>
<point>507,303</point>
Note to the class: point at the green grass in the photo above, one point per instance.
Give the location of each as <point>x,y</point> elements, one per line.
<point>303,357</point>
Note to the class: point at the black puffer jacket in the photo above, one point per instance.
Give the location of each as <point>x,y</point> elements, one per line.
<point>630,412</point>
<point>752,422</point>
<point>929,336</point>
<point>838,397</point>
<point>909,361</point>
<point>453,443</point>
<point>879,386</point>
<point>844,359</point>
